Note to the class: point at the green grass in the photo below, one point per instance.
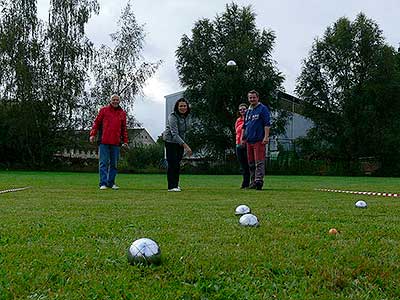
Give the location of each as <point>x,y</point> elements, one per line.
<point>65,239</point>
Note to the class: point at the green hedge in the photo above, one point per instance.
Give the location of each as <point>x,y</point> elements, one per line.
<point>150,159</point>
<point>143,158</point>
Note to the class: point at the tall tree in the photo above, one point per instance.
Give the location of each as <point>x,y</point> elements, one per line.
<point>121,69</point>
<point>350,84</point>
<point>214,89</point>
<point>24,117</point>
<point>42,74</point>
<point>70,53</point>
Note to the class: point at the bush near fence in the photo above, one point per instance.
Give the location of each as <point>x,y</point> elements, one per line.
<point>150,159</point>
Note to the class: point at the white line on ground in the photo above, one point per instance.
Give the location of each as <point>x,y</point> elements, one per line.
<point>361,193</point>
<point>14,190</point>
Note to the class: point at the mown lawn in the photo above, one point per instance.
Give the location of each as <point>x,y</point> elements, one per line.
<point>65,239</point>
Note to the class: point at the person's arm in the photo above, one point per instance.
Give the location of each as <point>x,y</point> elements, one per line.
<point>242,136</point>
<point>187,149</point>
<point>267,125</point>
<point>124,131</point>
<point>266,135</point>
<point>173,127</point>
<point>96,125</point>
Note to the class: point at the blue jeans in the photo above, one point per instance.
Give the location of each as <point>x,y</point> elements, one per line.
<point>108,160</point>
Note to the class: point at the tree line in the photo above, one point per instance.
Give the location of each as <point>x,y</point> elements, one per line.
<point>349,85</point>
<point>53,79</point>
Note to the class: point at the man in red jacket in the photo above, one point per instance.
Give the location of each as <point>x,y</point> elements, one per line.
<point>111,125</point>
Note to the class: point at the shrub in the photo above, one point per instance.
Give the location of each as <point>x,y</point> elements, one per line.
<point>144,157</point>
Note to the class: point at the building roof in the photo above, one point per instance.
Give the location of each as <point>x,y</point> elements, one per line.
<point>174,94</point>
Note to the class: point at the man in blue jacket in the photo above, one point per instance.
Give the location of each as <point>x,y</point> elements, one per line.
<point>256,134</point>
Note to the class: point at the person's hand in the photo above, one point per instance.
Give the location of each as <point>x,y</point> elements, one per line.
<point>265,140</point>
<point>187,150</point>
<point>243,142</point>
<point>92,138</point>
<point>125,146</point>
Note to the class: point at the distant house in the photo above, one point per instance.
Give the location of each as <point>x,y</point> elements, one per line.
<point>84,149</point>
<point>297,125</point>
<point>140,136</point>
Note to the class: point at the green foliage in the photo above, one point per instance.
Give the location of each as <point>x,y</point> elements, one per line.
<point>65,239</point>
<point>351,86</point>
<point>42,74</point>
<point>120,69</point>
<point>44,68</point>
<point>69,54</point>
<point>144,157</point>
<point>214,89</point>
<point>289,163</point>
<point>210,167</point>
<point>26,133</point>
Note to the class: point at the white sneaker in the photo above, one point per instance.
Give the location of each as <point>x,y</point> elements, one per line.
<point>179,188</point>
<point>174,190</point>
<point>115,187</point>
<point>103,187</point>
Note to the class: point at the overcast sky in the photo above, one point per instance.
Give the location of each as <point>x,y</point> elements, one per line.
<point>296,24</point>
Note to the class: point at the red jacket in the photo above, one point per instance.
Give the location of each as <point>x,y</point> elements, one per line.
<point>238,129</point>
<point>111,122</point>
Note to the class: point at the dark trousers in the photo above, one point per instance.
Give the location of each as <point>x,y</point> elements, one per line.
<point>241,154</point>
<point>174,156</point>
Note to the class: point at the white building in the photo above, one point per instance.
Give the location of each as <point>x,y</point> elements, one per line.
<point>140,136</point>
<point>170,102</point>
<point>136,136</point>
<point>297,125</point>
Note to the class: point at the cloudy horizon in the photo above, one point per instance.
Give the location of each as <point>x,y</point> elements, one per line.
<point>296,24</point>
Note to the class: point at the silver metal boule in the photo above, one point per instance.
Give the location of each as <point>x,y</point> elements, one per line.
<point>361,204</point>
<point>242,210</point>
<point>231,63</point>
<point>249,220</point>
<point>144,251</point>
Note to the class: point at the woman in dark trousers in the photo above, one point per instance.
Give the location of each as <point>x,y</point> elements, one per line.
<point>174,136</point>
<point>241,150</point>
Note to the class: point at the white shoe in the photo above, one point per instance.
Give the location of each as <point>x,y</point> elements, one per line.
<point>179,188</point>
<point>174,190</point>
<point>115,187</point>
<point>103,187</point>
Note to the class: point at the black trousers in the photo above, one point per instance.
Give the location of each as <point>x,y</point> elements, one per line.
<point>174,156</point>
<point>241,153</point>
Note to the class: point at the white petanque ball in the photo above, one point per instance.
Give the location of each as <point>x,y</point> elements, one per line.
<point>144,251</point>
<point>242,210</point>
<point>248,220</point>
<point>361,204</point>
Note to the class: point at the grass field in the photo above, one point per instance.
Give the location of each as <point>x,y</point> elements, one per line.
<point>65,239</point>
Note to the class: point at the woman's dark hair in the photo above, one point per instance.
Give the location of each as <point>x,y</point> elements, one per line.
<point>177,104</point>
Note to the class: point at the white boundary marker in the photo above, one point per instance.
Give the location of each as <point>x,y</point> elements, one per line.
<point>14,190</point>
<point>361,193</point>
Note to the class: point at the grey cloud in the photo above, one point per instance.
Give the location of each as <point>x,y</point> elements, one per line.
<point>296,23</point>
